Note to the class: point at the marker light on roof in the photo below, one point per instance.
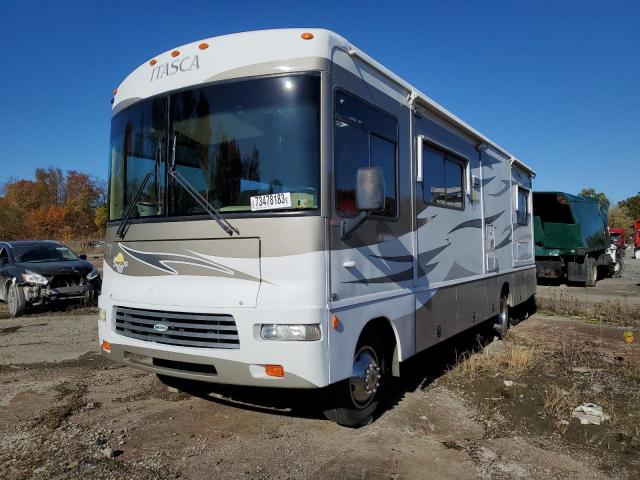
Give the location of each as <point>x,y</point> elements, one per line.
<point>203,46</point>
<point>307,36</point>
<point>115,90</point>
<point>175,53</point>
<point>153,62</point>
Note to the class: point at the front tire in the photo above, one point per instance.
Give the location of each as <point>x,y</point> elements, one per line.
<point>353,402</point>
<point>16,301</point>
<point>617,268</point>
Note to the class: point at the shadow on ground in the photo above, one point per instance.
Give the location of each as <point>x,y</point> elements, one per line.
<point>416,373</point>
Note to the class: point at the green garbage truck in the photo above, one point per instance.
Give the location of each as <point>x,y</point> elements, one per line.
<point>571,237</point>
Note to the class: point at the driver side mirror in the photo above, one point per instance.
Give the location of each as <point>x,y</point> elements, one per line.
<point>369,198</point>
<point>82,257</point>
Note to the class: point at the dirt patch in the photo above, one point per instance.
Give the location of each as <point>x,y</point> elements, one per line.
<point>573,364</point>
<point>71,399</point>
<point>612,312</point>
<point>451,414</point>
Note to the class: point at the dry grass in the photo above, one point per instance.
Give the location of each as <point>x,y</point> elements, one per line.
<point>618,312</point>
<point>559,402</point>
<point>513,360</point>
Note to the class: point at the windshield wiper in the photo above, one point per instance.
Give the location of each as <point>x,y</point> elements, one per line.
<point>197,196</point>
<point>122,228</point>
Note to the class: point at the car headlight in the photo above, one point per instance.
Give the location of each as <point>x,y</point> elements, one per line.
<point>92,274</point>
<point>291,332</point>
<point>33,277</point>
<point>102,314</point>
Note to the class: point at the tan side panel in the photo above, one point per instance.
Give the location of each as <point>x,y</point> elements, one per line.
<point>471,304</point>
<point>440,310</point>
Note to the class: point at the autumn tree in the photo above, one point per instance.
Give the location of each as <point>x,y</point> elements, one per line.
<point>620,218</point>
<point>53,205</point>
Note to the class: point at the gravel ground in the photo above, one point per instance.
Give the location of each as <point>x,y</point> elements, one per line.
<point>624,290</point>
<point>67,412</point>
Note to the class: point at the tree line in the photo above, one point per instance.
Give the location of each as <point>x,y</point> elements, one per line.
<point>53,205</point>
<point>622,215</point>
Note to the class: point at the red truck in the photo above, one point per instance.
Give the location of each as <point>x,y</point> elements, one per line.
<point>619,239</point>
<point>636,239</point>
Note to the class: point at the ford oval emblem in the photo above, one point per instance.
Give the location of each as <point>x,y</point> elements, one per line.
<point>161,327</point>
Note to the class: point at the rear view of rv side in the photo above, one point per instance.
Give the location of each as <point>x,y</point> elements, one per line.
<point>286,212</point>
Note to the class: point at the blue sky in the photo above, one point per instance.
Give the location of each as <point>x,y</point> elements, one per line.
<point>555,82</point>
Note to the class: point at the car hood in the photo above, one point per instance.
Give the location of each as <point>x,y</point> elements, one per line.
<point>57,268</point>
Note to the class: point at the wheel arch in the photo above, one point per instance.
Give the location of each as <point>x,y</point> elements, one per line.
<point>506,289</point>
<point>388,334</point>
<point>6,286</point>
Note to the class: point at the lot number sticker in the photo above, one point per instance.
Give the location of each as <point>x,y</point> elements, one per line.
<point>271,201</point>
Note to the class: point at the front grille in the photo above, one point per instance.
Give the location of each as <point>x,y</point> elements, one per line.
<point>184,329</point>
<point>65,280</point>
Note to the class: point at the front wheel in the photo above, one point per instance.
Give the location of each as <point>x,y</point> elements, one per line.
<point>617,268</point>
<point>16,301</point>
<point>353,402</point>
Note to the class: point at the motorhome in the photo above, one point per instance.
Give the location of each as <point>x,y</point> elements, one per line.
<point>284,211</point>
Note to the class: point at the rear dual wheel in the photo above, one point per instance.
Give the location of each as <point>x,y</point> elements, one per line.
<point>502,320</point>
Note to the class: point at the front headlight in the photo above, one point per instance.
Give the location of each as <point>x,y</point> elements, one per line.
<point>102,314</point>
<point>33,277</point>
<point>290,332</point>
<point>92,274</point>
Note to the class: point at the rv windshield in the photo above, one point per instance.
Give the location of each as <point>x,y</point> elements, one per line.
<point>239,140</point>
<point>245,146</point>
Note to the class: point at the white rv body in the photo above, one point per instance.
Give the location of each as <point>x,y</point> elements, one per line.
<point>433,264</point>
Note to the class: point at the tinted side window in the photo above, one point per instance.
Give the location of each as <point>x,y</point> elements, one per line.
<point>443,182</point>
<point>351,153</point>
<point>4,256</point>
<point>523,206</point>
<point>364,137</point>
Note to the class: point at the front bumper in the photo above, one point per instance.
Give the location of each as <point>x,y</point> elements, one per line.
<point>194,367</point>
<point>37,294</point>
<point>305,363</point>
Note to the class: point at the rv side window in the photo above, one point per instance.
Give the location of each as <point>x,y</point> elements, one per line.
<point>443,182</point>
<point>523,206</point>
<point>364,137</point>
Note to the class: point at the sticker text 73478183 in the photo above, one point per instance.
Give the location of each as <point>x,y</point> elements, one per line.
<point>271,201</point>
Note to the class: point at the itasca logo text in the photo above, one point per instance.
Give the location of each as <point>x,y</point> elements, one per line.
<point>185,64</point>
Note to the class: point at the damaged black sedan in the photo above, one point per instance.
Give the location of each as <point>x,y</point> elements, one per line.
<point>37,272</point>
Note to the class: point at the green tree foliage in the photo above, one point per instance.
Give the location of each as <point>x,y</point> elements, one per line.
<point>619,218</point>
<point>632,206</point>
<point>601,197</point>
<point>53,205</point>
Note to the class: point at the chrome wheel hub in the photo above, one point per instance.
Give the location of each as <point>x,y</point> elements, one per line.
<point>365,377</point>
